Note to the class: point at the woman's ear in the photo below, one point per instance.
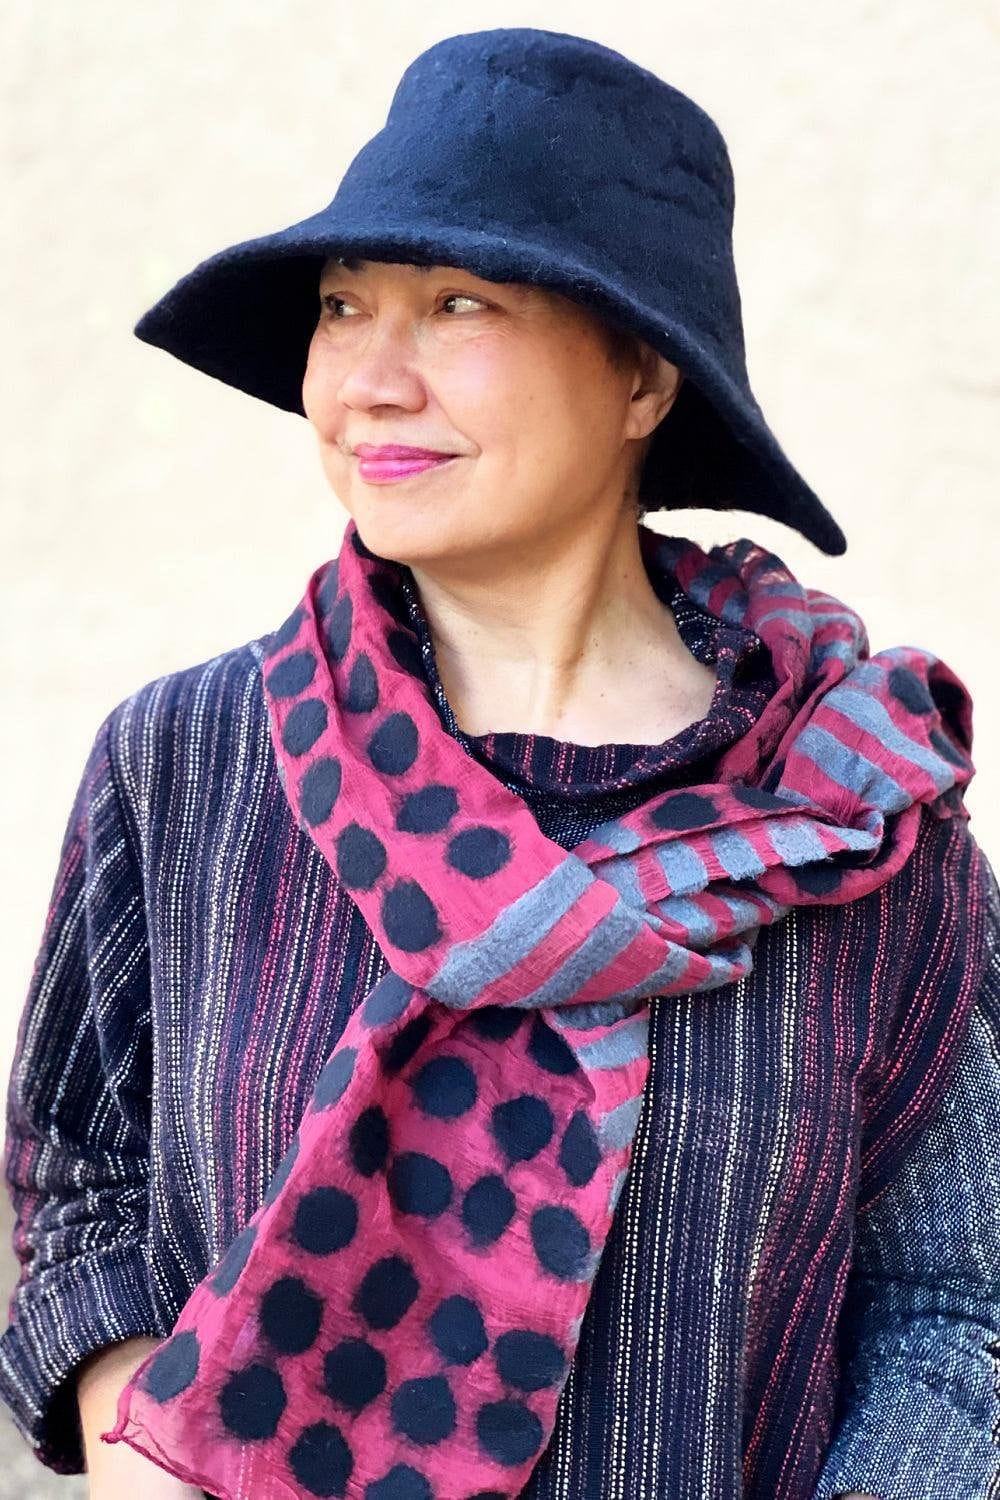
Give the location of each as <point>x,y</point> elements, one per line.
<point>656,387</point>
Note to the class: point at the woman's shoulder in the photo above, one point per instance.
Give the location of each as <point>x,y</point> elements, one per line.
<point>184,718</point>
<point>947,869</point>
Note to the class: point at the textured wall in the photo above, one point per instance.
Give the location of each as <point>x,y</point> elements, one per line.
<point>137,493</point>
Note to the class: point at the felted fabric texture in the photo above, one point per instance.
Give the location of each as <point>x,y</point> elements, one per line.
<point>543,158</point>
<point>399,1316</point>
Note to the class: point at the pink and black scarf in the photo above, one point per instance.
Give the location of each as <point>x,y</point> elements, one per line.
<point>398,1318</point>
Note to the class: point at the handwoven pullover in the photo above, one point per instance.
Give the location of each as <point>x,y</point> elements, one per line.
<point>789,1305</point>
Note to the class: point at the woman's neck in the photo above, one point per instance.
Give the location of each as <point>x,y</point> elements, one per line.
<point>575,644</point>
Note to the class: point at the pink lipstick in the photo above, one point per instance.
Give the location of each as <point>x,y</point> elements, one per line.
<point>390,461</point>
<point>377,471</point>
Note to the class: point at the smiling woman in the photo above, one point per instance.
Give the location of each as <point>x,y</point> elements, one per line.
<point>524,1024</point>
<point>530,309</point>
<point>541,426</point>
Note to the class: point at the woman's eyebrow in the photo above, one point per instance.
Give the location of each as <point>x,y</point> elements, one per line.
<point>354,264</point>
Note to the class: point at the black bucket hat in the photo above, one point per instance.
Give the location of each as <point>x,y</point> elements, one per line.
<point>542,157</point>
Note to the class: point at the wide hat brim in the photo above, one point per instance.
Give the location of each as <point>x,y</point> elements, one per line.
<point>246,316</point>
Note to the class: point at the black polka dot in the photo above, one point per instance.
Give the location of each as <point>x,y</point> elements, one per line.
<point>522,1127</point>
<point>388,1000</point>
<point>488,1495</point>
<point>560,1241</point>
<point>427,811</point>
<point>290,1315</point>
<point>361,857</point>
<point>401,1483</point>
<point>478,852</point>
<point>419,1184</point>
<point>818,878</point>
<point>529,1361</point>
<point>362,686</point>
<point>487,1209</point>
<point>684,810</point>
<point>907,688</point>
<point>354,1373</point>
<point>392,749</point>
<point>334,1078</point>
<point>286,633</point>
<point>251,1402</point>
<point>406,1043</point>
<point>548,1049</point>
<point>424,1409</point>
<point>361,549</point>
<point>945,748</point>
<point>385,586</point>
<point>329,584</point>
<point>321,1459</point>
<point>306,721</point>
<point>774,775</point>
<point>387,1292</point>
<point>950,699</point>
<point>410,917</point>
<point>405,652</point>
<point>326,1219</point>
<point>292,676</point>
<point>445,1087</point>
<point>173,1366</point>
<point>320,789</point>
<point>458,1331</point>
<point>338,627</point>
<point>952,797</point>
<point>755,796</point>
<point>235,1258</point>
<point>508,1432</point>
<point>579,1153</point>
<point>282,1171</point>
<point>497,1023</point>
<point>368,1141</point>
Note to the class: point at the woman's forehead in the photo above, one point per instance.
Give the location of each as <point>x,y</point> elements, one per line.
<point>360,265</point>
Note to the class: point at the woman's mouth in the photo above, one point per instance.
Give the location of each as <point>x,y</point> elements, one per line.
<point>386,470</point>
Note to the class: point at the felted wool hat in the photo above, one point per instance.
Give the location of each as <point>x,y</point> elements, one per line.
<point>541,157</point>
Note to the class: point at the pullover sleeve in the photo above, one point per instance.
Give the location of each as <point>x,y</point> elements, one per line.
<point>920,1356</point>
<point>76,1158</point>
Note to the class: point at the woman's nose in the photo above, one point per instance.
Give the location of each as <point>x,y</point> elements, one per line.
<point>382,365</point>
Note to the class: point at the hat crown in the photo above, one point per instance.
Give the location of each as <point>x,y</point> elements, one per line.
<point>573,147</point>
<point>556,96</point>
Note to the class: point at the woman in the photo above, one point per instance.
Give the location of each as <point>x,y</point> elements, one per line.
<point>526,1024</point>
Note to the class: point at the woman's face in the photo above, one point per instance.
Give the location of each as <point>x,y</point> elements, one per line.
<point>517,381</point>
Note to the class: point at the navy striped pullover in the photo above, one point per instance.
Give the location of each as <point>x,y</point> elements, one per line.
<point>791,1303</point>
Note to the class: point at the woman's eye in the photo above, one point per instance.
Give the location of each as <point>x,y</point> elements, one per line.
<point>464,297</point>
<point>332,303</point>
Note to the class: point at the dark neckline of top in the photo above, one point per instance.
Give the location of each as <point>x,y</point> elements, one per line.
<point>538,765</point>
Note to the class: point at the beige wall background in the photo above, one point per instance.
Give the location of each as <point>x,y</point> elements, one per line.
<point>138,496</point>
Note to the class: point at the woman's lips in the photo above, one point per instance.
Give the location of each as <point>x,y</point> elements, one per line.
<point>385,470</point>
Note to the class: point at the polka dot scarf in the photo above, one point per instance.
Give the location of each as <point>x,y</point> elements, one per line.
<point>397,1319</point>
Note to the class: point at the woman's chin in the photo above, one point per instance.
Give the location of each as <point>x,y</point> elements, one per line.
<point>409,534</point>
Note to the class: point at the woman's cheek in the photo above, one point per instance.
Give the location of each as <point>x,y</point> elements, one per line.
<point>318,384</point>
